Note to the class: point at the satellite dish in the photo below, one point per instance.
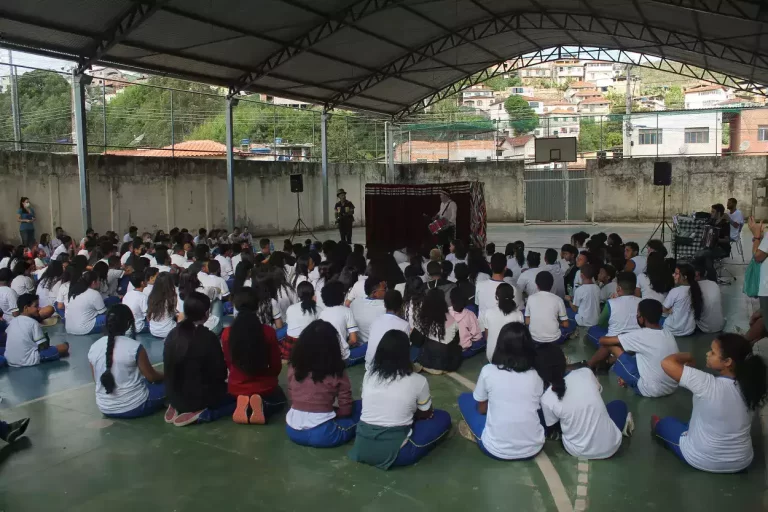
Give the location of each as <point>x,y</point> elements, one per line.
<point>744,145</point>
<point>682,150</point>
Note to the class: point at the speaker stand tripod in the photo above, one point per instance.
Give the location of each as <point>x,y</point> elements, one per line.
<point>297,228</point>
<point>663,224</point>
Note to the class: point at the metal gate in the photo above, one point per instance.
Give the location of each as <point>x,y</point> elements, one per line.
<point>556,195</point>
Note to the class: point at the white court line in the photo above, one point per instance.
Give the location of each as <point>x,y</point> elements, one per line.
<point>63,391</point>
<point>554,482</point>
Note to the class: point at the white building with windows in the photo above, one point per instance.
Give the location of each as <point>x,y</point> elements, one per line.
<point>600,73</point>
<point>559,122</point>
<point>568,70</point>
<point>478,97</point>
<point>705,96</point>
<point>541,71</point>
<point>673,135</point>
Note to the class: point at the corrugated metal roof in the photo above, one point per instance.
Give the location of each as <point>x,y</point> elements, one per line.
<point>188,149</point>
<point>377,55</point>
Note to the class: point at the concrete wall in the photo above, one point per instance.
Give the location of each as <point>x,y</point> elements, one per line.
<point>159,193</point>
<point>624,190</point>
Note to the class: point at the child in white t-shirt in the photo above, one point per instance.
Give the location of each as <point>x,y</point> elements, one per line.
<point>585,305</point>
<point>26,344</point>
<point>299,316</point>
<point>545,313</point>
<point>340,316</point>
<point>620,313</point>
<point>22,282</point>
<point>575,412</point>
<point>684,303</point>
<point>527,280</point>
<point>502,415</point>
<point>127,385</point>
<point>8,297</point>
<point>494,319</point>
<point>86,312</point>
<point>398,425</point>
<point>485,291</point>
<point>711,319</point>
<point>635,262</point>
<point>718,438</point>
<point>137,301</point>
<point>650,345</point>
<point>606,279</point>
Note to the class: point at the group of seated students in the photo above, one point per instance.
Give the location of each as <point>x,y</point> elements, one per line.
<point>326,307</point>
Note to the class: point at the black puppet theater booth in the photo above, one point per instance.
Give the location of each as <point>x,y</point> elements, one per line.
<point>398,216</point>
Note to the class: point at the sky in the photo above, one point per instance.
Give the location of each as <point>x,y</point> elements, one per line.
<point>34,61</point>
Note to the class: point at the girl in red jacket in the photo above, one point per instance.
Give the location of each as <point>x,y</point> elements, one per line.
<point>253,359</point>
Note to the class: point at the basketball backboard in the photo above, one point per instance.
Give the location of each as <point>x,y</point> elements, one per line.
<point>555,149</point>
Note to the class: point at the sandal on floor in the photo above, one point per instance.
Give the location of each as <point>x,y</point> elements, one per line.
<point>465,431</point>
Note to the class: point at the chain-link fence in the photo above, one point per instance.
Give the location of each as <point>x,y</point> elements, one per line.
<point>133,114</point>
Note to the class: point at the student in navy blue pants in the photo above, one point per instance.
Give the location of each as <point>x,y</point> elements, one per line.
<point>398,426</point>
<point>323,413</point>
<point>425,435</point>
<point>357,354</point>
<point>331,433</point>
<point>155,402</point>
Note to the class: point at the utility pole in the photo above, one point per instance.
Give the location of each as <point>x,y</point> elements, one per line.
<point>15,112</point>
<point>628,116</point>
<point>629,90</point>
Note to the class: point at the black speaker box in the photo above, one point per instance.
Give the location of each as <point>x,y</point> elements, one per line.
<point>297,183</point>
<point>662,173</point>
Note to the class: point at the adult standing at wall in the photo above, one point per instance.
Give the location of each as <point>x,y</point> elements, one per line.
<point>345,216</point>
<point>26,217</point>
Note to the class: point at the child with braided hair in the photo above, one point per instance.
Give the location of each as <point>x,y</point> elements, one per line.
<point>127,385</point>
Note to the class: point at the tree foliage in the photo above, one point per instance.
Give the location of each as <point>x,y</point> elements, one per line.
<point>44,108</point>
<point>500,83</point>
<point>674,98</point>
<point>600,134</point>
<point>140,116</point>
<point>522,117</point>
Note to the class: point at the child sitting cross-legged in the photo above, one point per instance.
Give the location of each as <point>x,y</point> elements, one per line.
<point>253,358</point>
<point>502,415</point>
<point>27,344</point>
<point>398,425</point>
<point>340,316</point>
<point>127,385</point>
<point>619,314</point>
<point>585,304</point>
<point>137,301</point>
<point>545,313</point>
<point>573,408</point>
<point>470,336</point>
<point>195,370</point>
<point>322,412</point>
<point>650,345</point>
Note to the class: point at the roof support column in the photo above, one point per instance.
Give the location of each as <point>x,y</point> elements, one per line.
<point>389,151</point>
<point>79,82</point>
<point>231,102</point>
<point>324,165</point>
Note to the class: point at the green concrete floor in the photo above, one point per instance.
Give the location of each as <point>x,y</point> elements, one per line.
<point>75,460</point>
